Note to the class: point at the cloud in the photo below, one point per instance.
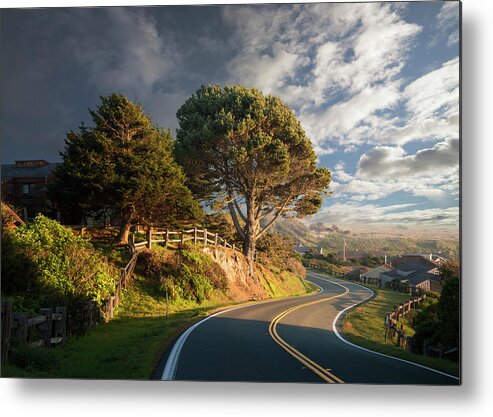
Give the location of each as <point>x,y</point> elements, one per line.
<point>393,162</point>
<point>449,14</point>
<point>358,213</point>
<point>340,54</point>
<point>349,121</point>
<point>432,105</point>
<point>124,52</point>
<point>435,93</point>
<point>265,72</point>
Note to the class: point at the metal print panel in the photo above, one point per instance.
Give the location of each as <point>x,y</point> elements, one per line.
<point>257,193</point>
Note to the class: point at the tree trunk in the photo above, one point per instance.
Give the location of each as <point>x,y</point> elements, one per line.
<point>126,218</point>
<point>122,238</point>
<point>250,241</point>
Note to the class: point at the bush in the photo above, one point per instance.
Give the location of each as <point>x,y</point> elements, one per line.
<point>47,265</point>
<point>438,319</point>
<point>185,274</point>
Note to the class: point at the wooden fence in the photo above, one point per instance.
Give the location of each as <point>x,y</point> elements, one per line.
<point>49,328</point>
<point>393,331</point>
<point>174,239</point>
<point>321,268</point>
<point>125,275</point>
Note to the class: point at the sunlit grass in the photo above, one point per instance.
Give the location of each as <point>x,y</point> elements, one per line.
<point>365,326</point>
<point>131,345</point>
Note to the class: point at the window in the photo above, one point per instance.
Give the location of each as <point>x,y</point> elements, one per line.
<point>10,189</point>
<point>28,188</point>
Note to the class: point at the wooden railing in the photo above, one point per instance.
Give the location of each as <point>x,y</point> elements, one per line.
<point>49,328</point>
<point>321,268</point>
<point>174,239</point>
<point>393,331</point>
<point>125,275</point>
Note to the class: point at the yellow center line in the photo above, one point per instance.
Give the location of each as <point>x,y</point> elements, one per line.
<point>310,364</point>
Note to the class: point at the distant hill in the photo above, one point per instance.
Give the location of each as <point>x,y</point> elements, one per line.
<point>358,244</point>
<point>296,229</point>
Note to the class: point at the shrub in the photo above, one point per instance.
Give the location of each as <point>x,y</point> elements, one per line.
<point>185,274</point>
<point>48,265</point>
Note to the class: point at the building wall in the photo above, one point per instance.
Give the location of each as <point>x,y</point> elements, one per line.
<point>30,193</point>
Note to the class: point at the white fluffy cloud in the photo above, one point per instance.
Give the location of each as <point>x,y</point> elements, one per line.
<point>393,162</point>
<point>320,52</point>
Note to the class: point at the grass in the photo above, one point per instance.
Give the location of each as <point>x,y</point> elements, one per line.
<point>131,345</point>
<point>364,326</point>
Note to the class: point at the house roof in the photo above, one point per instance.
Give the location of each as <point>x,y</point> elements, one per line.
<point>375,273</point>
<point>15,171</point>
<point>412,263</point>
<point>414,278</point>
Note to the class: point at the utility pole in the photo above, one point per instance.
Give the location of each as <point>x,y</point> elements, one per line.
<point>344,250</point>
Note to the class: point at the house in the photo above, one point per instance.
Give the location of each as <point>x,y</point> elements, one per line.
<point>25,186</point>
<point>373,275</point>
<point>419,273</point>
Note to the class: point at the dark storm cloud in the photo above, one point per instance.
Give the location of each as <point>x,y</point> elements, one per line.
<point>57,62</point>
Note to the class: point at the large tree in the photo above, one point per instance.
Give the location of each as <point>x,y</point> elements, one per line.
<point>124,165</point>
<point>247,151</point>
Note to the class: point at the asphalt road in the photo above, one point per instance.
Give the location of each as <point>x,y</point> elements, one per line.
<point>290,340</point>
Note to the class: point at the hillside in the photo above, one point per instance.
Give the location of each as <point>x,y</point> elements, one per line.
<point>363,242</point>
<point>357,245</point>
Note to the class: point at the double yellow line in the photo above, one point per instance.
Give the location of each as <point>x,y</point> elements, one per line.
<point>313,366</point>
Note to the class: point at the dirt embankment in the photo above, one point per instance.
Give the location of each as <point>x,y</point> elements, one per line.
<point>265,284</point>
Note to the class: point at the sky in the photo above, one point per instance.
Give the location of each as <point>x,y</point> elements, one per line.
<point>375,86</point>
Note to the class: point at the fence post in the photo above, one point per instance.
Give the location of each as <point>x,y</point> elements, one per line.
<point>22,331</point>
<point>149,237</point>
<point>6,328</point>
<point>205,237</point>
<point>61,325</point>
<point>45,328</point>
<point>123,278</point>
<point>182,238</point>
<point>234,246</point>
<point>194,235</point>
<point>167,238</point>
<point>215,239</point>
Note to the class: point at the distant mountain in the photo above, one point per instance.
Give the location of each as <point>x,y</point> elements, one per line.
<point>296,229</point>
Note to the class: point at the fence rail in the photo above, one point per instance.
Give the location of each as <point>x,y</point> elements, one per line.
<point>125,274</point>
<point>393,331</point>
<point>49,328</point>
<point>173,239</point>
<point>321,268</point>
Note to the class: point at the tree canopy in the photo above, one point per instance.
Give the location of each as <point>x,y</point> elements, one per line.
<point>123,165</point>
<point>247,151</point>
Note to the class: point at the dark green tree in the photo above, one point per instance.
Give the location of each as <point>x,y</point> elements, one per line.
<point>123,165</point>
<point>247,151</point>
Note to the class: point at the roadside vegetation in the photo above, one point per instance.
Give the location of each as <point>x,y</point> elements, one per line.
<point>131,345</point>
<point>45,264</point>
<point>364,326</point>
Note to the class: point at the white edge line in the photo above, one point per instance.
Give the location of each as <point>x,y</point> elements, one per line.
<point>171,366</point>
<point>334,328</point>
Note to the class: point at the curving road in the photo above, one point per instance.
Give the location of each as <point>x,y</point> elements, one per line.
<point>290,340</point>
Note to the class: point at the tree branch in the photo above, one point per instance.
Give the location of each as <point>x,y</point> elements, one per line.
<point>236,222</point>
<point>243,217</point>
<point>279,211</point>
